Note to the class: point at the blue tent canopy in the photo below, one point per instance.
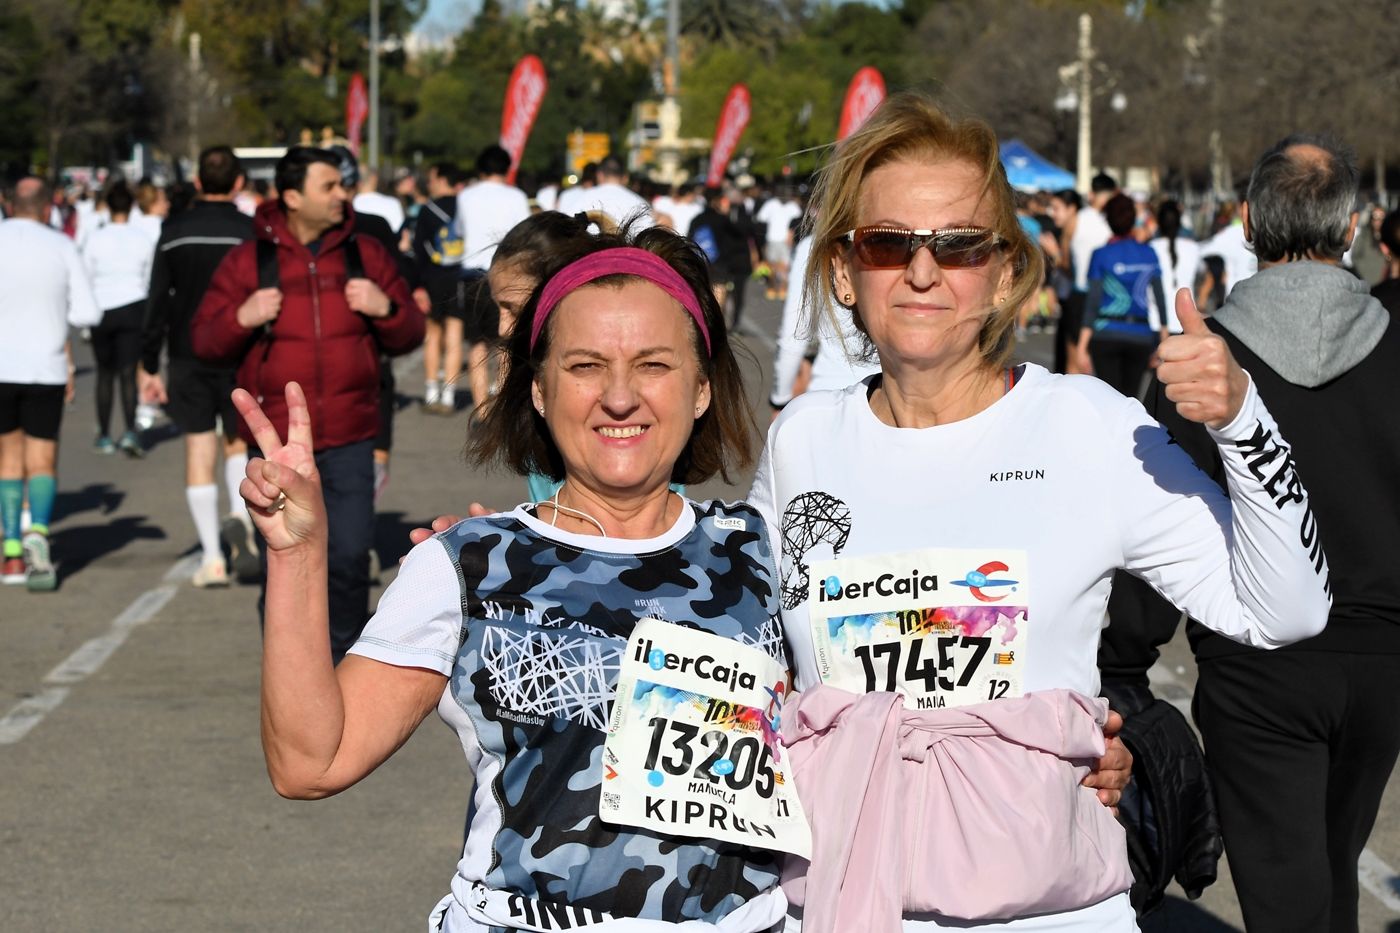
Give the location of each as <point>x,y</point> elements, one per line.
<point>1027,170</point>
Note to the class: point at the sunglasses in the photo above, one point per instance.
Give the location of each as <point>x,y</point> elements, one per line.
<point>952,247</point>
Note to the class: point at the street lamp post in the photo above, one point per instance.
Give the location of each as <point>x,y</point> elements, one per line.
<point>1086,99</point>
<point>1077,93</point>
<point>196,66</point>
<point>668,145</point>
<point>374,84</point>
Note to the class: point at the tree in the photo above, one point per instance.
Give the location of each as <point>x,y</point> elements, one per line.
<point>279,66</point>
<point>797,91</point>
<point>19,91</point>
<point>745,24</point>
<point>594,66</point>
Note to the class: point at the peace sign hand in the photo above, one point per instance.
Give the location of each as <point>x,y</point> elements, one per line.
<point>283,488</point>
<point>1198,370</point>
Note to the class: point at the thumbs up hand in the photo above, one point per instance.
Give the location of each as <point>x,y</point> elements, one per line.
<point>1198,370</point>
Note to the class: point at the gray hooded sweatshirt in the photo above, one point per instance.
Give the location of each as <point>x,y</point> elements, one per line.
<point>1309,321</point>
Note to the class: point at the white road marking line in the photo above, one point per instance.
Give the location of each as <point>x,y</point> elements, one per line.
<point>91,655</point>
<point>768,342</point>
<point>28,712</point>
<point>1380,879</point>
<point>1161,673</point>
<point>182,569</point>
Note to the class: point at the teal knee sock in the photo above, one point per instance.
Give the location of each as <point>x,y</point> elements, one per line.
<point>11,500</point>
<point>42,491</point>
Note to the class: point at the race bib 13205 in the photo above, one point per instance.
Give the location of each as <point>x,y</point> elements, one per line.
<point>692,748</point>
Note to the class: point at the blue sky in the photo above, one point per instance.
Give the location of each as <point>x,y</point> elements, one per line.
<point>446,15</point>
<point>449,16</point>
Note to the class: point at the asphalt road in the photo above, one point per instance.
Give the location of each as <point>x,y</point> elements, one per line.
<point>132,789</point>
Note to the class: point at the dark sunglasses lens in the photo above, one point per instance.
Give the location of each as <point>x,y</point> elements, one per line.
<point>884,249</point>
<point>962,250</point>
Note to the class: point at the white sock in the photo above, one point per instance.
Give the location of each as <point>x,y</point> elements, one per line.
<point>449,396</point>
<point>204,509</point>
<point>235,468</point>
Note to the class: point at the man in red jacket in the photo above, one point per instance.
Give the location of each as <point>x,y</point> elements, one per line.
<point>306,301</point>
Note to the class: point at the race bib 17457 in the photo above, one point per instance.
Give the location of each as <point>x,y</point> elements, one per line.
<point>692,748</point>
<point>941,626</point>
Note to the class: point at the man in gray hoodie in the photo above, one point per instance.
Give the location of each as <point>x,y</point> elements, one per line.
<point>1301,741</point>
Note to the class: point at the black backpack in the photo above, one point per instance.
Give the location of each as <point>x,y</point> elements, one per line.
<point>269,276</point>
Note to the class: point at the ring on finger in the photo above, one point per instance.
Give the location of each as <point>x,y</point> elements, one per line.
<point>281,501</point>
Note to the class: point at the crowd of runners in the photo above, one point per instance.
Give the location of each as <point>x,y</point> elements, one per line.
<point>681,713</point>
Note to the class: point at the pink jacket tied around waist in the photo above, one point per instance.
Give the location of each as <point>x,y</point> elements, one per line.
<point>972,812</point>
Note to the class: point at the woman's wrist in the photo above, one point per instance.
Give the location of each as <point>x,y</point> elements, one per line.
<point>306,556</point>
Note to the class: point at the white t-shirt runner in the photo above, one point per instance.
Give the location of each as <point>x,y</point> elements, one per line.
<point>485,213</point>
<point>778,215</point>
<point>990,544</point>
<point>619,202</point>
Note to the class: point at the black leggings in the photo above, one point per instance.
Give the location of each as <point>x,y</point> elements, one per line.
<point>116,345</point>
<point>737,285</point>
<point>1122,363</point>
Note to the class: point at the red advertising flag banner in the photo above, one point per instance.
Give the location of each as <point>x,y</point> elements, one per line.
<point>524,94</point>
<point>356,110</point>
<point>733,118</point>
<point>864,94</point>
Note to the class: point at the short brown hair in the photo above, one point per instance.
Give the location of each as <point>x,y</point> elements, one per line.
<point>1121,214</point>
<point>724,437</point>
<point>910,126</point>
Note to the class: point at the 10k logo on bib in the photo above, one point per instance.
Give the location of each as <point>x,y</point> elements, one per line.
<point>941,626</point>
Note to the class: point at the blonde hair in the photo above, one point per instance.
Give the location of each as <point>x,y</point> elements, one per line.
<point>911,127</point>
<point>147,196</point>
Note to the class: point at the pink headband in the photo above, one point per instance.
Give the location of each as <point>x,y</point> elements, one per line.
<point>623,260</point>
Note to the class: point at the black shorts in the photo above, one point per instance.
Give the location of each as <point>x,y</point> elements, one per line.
<point>37,410</point>
<point>481,318</point>
<point>444,297</point>
<point>198,394</point>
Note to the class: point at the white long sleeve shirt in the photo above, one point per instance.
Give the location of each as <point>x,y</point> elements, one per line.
<point>1090,232</point>
<point>46,291</point>
<point>973,560</point>
<point>1234,250</point>
<point>118,260</point>
<point>1181,274</point>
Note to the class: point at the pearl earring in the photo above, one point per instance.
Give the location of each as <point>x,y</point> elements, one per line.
<point>848,298</point>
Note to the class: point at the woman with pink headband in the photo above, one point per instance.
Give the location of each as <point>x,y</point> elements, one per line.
<point>610,657</point>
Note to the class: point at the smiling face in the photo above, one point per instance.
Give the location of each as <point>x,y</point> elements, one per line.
<point>621,386</point>
<point>922,314</point>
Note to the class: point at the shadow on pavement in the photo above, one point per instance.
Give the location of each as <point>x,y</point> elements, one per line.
<point>154,436</point>
<point>391,536</point>
<point>76,547</point>
<point>1178,915</point>
<point>103,497</point>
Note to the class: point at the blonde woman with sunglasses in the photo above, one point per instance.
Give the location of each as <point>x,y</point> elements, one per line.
<point>949,528</point>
